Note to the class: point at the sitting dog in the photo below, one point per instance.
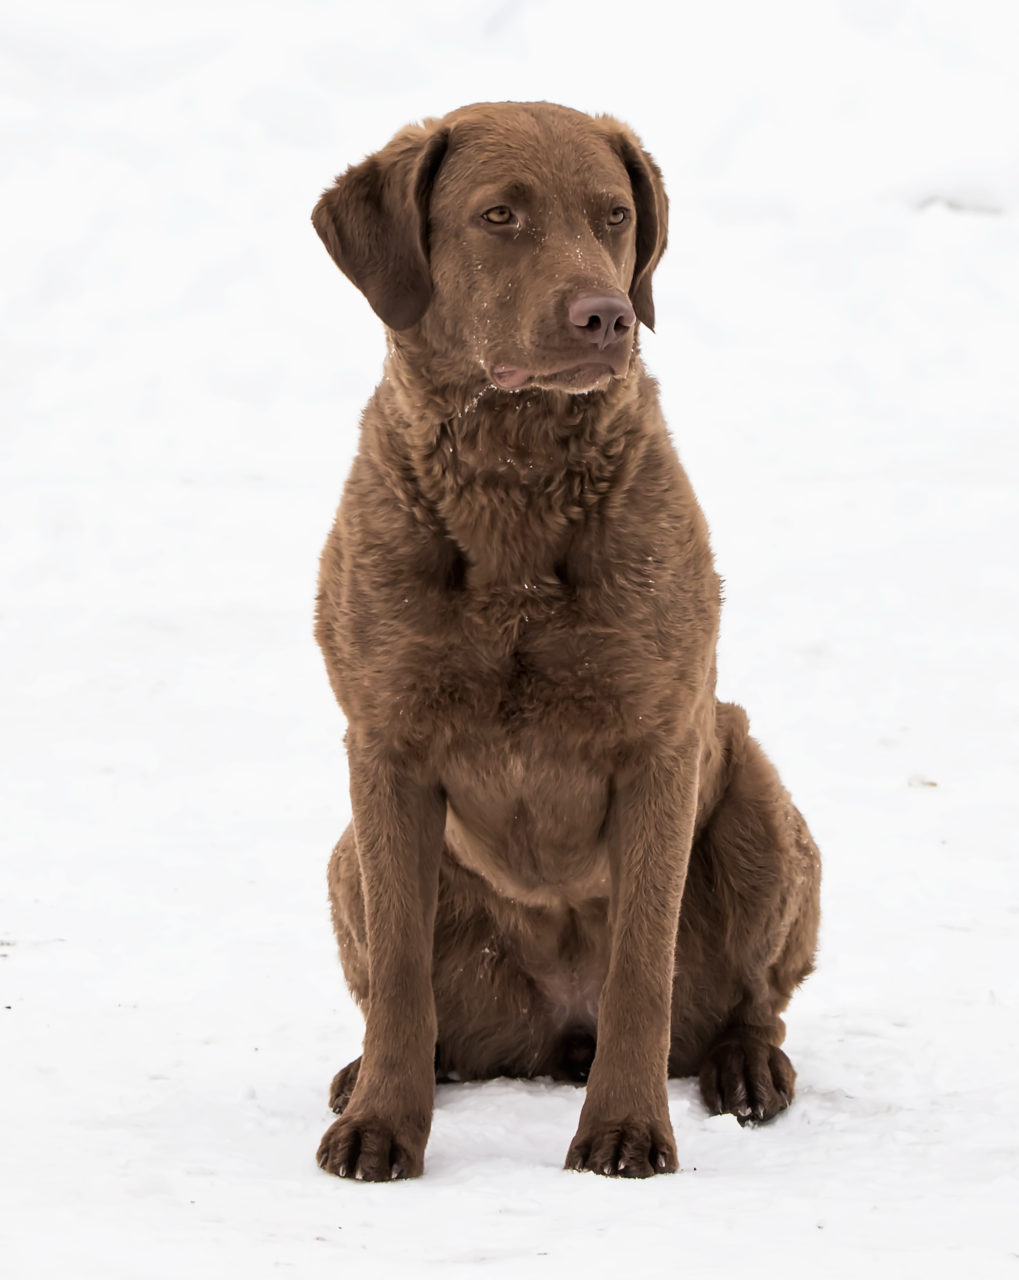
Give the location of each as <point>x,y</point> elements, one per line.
<point>567,858</point>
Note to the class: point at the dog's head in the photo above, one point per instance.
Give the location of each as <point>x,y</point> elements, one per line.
<point>518,237</point>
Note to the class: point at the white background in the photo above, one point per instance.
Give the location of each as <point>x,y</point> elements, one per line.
<point>182,371</point>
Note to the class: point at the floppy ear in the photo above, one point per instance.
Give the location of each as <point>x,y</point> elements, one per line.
<point>652,207</point>
<point>374,222</point>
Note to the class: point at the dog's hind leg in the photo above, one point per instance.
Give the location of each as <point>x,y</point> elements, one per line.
<point>493,1019</point>
<point>747,935</point>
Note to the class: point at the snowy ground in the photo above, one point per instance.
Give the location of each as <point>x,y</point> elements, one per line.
<point>182,370</point>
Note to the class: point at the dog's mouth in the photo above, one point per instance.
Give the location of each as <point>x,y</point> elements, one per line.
<point>588,375</point>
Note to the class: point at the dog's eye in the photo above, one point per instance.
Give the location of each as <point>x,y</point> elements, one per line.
<point>500,215</point>
<point>618,216</point>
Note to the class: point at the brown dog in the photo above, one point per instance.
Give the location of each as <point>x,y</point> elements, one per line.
<point>561,841</point>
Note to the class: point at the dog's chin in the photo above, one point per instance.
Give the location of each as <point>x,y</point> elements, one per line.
<point>589,376</point>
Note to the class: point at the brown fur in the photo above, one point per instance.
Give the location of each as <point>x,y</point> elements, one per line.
<point>566,856</point>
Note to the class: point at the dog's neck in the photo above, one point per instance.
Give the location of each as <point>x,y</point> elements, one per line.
<point>512,477</point>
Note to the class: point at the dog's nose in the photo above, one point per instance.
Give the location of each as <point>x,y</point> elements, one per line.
<point>604,317</point>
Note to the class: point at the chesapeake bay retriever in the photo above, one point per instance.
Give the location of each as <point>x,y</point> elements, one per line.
<point>567,858</point>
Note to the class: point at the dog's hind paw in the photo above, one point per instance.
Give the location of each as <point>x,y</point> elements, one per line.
<point>343,1086</point>
<point>748,1078</point>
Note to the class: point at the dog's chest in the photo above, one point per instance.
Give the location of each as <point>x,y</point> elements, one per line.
<point>528,665</point>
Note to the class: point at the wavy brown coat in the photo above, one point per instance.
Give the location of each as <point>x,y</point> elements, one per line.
<point>567,857</point>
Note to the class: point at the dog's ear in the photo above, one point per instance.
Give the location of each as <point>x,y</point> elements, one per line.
<point>652,207</point>
<point>374,222</point>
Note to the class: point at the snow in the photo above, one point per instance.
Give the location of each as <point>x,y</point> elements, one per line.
<point>182,374</point>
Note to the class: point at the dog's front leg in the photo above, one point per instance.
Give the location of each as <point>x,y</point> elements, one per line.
<point>399,822</point>
<point>624,1125</point>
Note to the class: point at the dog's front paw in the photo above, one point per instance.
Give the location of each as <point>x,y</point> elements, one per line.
<point>371,1149</point>
<point>630,1148</point>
